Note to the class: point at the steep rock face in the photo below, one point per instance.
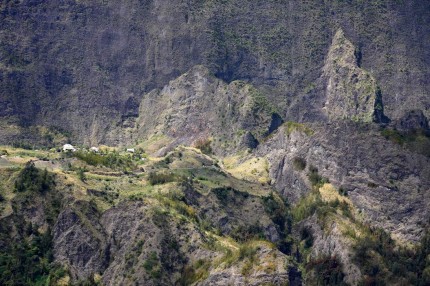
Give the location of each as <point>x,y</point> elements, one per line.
<point>134,233</point>
<point>79,241</point>
<point>197,105</point>
<point>84,66</point>
<point>332,243</point>
<point>351,92</point>
<point>413,120</point>
<point>387,182</point>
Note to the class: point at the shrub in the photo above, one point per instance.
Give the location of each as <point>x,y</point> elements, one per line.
<point>294,126</point>
<point>33,180</point>
<point>29,261</point>
<point>299,164</point>
<point>243,233</point>
<point>22,145</point>
<point>81,174</point>
<point>161,178</point>
<point>315,178</point>
<point>327,271</point>
<point>342,191</point>
<point>247,251</point>
<point>204,145</point>
<point>152,265</point>
<point>306,235</point>
<point>382,260</point>
<point>277,209</point>
<point>193,273</point>
<point>112,160</point>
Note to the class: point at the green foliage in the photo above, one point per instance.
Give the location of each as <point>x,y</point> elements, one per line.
<point>22,145</point>
<point>342,191</point>
<point>193,273</point>
<point>278,211</point>
<point>32,180</point>
<point>313,204</point>
<point>244,233</point>
<point>307,206</point>
<point>152,265</point>
<point>81,174</point>
<point>383,262</point>
<point>111,160</point>
<point>262,103</point>
<point>29,261</point>
<point>299,164</point>
<point>306,235</point>
<point>204,145</point>
<point>315,178</point>
<point>247,251</point>
<point>415,140</point>
<point>326,271</point>
<point>228,195</point>
<point>291,126</point>
<point>222,194</point>
<point>159,178</point>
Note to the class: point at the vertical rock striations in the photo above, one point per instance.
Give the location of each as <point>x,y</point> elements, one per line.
<point>351,92</point>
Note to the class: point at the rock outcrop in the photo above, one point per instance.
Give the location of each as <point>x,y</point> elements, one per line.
<point>351,92</point>
<point>388,183</point>
<point>197,105</point>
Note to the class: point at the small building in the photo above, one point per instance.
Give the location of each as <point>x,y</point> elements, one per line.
<point>68,148</point>
<point>94,149</point>
<point>130,150</point>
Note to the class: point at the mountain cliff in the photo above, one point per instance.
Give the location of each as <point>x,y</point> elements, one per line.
<point>268,142</point>
<point>84,66</point>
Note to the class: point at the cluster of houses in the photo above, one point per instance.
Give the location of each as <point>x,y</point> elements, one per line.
<point>71,148</point>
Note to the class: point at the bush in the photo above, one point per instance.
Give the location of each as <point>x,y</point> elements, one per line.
<point>81,174</point>
<point>306,235</point>
<point>247,251</point>
<point>299,164</point>
<point>243,233</point>
<point>204,145</point>
<point>152,265</point>
<point>33,180</point>
<point>196,272</point>
<point>222,194</point>
<point>343,192</point>
<point>161,178</point>
<point>111,160</point>
<point>382,260</point>
<point>327,271</point>
<point>22,145</point>
<point>277,209</point>
<point>315,179</point>
<point>307,206</point>
<point>29,261</point>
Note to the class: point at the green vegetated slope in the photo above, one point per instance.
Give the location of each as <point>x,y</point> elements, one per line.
<point>198,221</point>
<point>113,218</point>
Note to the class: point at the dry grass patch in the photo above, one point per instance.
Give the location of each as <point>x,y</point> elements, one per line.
<point>330,194</point>
<point>255,169</point>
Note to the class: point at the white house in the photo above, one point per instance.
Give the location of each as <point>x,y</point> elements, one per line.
<point>68,148</point>
<point>130,150</point>
<point>94,149</point>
